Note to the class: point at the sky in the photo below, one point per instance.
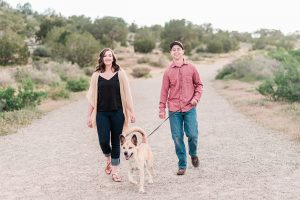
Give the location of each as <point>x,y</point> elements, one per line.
<point>231,15</point>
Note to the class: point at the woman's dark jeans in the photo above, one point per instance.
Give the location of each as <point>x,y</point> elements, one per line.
<point>109,126</point>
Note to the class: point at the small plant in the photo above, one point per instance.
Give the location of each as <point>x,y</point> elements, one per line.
<point>58,91</point>
<point>11,121</point>
<point>26,96</point>
<point>225,73</point>
<point>285,85</point>
<point>249,68</point>
<point>41,52</point>
<point>144,45</point>
<point>161,62</point>
<point>77,85</point>
<point>143,60</point>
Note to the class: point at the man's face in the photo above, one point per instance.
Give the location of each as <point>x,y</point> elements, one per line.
<point>177,52</point>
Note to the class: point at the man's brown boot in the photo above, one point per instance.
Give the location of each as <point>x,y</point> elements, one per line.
<point>195,161</point>
<point>181,171</point>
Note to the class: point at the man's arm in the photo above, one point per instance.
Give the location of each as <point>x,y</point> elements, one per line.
<point>198,85</point>
<point>164,93</point>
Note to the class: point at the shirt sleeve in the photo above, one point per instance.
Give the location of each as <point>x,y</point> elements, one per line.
<point>164,92</point>
<point>197,84</point>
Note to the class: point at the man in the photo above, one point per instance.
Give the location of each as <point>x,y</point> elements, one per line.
<point>182,89</point>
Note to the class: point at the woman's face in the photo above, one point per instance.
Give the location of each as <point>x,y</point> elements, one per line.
<point>108,58</point>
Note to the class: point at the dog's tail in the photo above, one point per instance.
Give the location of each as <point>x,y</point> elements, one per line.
<point>139,130</point>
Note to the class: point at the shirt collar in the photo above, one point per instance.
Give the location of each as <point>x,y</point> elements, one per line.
<point>174,65</point>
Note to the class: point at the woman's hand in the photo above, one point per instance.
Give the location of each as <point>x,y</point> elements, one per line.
<point>132,118</point>
<point>89,122</point>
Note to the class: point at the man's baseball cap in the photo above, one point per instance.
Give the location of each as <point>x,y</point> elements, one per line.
<point>176,43</point>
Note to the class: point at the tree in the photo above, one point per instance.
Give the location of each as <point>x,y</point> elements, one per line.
<point>221,42</point>
<point>56,40</point>
<point>47,24</point>
<point>144,41</point>
<point>25,8</point>
<point>4,4</point>
<point>179,30</point>
<point>13,49</point>
<point>81,48</point>
<point>156,31</point>
<point>12,21</point>
<point>109,30</point>
<point>133,27</point>
<point>79,23</point>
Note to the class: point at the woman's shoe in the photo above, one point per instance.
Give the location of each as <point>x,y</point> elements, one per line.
<point>108,168</point>
<point>116,177</point>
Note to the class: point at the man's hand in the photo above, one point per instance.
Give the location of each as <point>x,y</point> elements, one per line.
<point>194,102</point>
<point>162,115</point>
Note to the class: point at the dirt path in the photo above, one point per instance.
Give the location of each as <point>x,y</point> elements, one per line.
<point>57,157</point>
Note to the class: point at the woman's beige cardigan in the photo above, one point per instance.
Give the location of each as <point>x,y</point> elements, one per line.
<point>125,92</point>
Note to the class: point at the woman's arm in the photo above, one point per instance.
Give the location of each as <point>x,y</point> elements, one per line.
<point>91,99</point>
<point>129,102</point>
<point>90,111</point>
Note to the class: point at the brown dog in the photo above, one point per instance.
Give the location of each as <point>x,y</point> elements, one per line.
<point>139,155</point>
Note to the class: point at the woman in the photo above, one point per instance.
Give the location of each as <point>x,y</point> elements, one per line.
<point>110,108</point>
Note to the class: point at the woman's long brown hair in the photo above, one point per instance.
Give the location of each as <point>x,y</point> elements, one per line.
<point>101,66</point>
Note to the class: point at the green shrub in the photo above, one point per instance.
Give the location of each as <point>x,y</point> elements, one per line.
<point>215,46</point>
<point>39,77</point>
<point>9,101</point>
<point>13,49</point>
<point>260,43</point>
<point>58,91</point>
<point>221,42</point>
<point>275,38</point>
<point>144,45</point>
<point>143,60</point>
<point>289,58</point>
<point>267,88</point>
<point>11,121</point>
<point>161,62</point>
<point>296,54</point>
<point>139,72</point>
<point>41,52</point>
<point>26,96</point>
<point>225,72</point>
<point>249,68</point>
<point>89,71</point>
<point>285,85</point>
<point>81,48</point>
<point>77,85</point>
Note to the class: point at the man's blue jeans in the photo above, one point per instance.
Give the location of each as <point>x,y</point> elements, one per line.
<point>181,122</point>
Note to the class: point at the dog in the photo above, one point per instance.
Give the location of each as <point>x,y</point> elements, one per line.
<point>140,156</point>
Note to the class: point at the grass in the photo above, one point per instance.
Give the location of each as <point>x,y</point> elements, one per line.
<point>11,121</point>
<point>275,115</point>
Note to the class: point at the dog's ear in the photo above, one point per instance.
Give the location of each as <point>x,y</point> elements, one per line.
<point>134,140</point>
<point>122,139</point>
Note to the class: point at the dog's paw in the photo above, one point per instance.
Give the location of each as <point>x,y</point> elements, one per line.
<point>150,181</point>
<point>133,182</point>
<point>141,190</point>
